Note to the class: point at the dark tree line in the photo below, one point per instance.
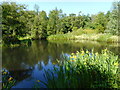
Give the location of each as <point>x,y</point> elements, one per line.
<point>18,22</point>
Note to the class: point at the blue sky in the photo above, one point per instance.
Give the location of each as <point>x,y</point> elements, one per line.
<point>70,7</point>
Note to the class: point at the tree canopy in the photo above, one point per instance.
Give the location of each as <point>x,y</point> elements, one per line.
<point>18,22</point>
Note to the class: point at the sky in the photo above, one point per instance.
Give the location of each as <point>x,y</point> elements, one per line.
<point>69,6</point>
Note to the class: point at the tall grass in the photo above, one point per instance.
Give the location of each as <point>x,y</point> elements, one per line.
<point>61,37</point>
<point>92,37</point>
<point>7,80</point>
<point>84,31</point>
<point>86,34</point>
<point>85,69</point>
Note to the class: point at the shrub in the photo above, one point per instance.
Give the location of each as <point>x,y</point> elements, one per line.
<point>103,37</point>
<point>85,70</point>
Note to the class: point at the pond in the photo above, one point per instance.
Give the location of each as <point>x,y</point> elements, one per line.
<point>27,64</point>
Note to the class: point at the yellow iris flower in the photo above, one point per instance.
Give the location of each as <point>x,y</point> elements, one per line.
<point>96,53</point>
<point>116,64</point>
<point>11,78</point>
<point>87,51</point>
<point>38,80</point>
<point>72,53</point>
<point>4,72</point>
<point>74,57</point>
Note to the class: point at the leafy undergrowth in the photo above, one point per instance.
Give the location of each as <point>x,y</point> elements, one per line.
<point>85,69</point>
<point>7,80</point>
<point>91,35</point>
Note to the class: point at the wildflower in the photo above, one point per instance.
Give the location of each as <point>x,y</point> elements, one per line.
<point>105,50</point>
<point>72,53</point>
<point>92,50</point>
<point>96,53</point>
<point>105,54</point>
<point>75,60</point>
<point>96,60</point>
<point>71,57</point>
<point>77,52</point>
<point>85,63</point>
<point>82,53</point>
<point>74,57</point>
<point>53,63</point>
<point>116,64</point>
<point>85,59</point>
<point>92,57</point>
<point>58,61</point>
<point>38,80</point>
<point>11,78</point>
<point>87,51</point>
<point>72,60</point>
<point>4,73</point>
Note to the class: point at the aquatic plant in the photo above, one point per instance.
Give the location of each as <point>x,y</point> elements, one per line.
<point>7,80</point>
<point>85,69</point>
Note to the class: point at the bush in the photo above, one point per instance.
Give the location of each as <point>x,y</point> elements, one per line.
<point>61,37</point>
<point>85,70</point>
<point>74,28</point>
<point>103,37</point>
<point>10,40</point>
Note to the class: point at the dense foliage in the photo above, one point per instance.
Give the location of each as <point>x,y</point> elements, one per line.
<point>18,22</point>
<point>7,80</point>
<point>85,69</point>
<point>114,22</point>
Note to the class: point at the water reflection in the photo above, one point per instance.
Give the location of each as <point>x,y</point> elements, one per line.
<point>27,64</point>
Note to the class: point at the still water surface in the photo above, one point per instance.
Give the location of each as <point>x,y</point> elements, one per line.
<point>27,64</point>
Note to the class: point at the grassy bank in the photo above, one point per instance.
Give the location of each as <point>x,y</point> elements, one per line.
<point>85,69</point>
<point>91,35</point>
<point>99,37</point>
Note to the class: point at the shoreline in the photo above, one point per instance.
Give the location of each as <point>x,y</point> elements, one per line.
<point>100,38</point>
<point>90,37</point>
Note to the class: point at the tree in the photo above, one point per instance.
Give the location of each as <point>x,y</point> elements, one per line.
<point>113,24</point>
<point>35,27</point>
<point>43,24</point>
<point>28,17</point>
<point>100,22</point>
<point>36,8</point>
<point>39,26</point>
<point>12,26</point>
<point>53,22</point>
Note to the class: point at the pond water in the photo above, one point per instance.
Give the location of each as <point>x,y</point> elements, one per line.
<point>27,64</point>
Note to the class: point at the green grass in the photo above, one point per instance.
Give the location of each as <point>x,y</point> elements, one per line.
<point>84,31</point>
<point>91,35</point>
<point>85,69</point>
<point>61,37</point>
